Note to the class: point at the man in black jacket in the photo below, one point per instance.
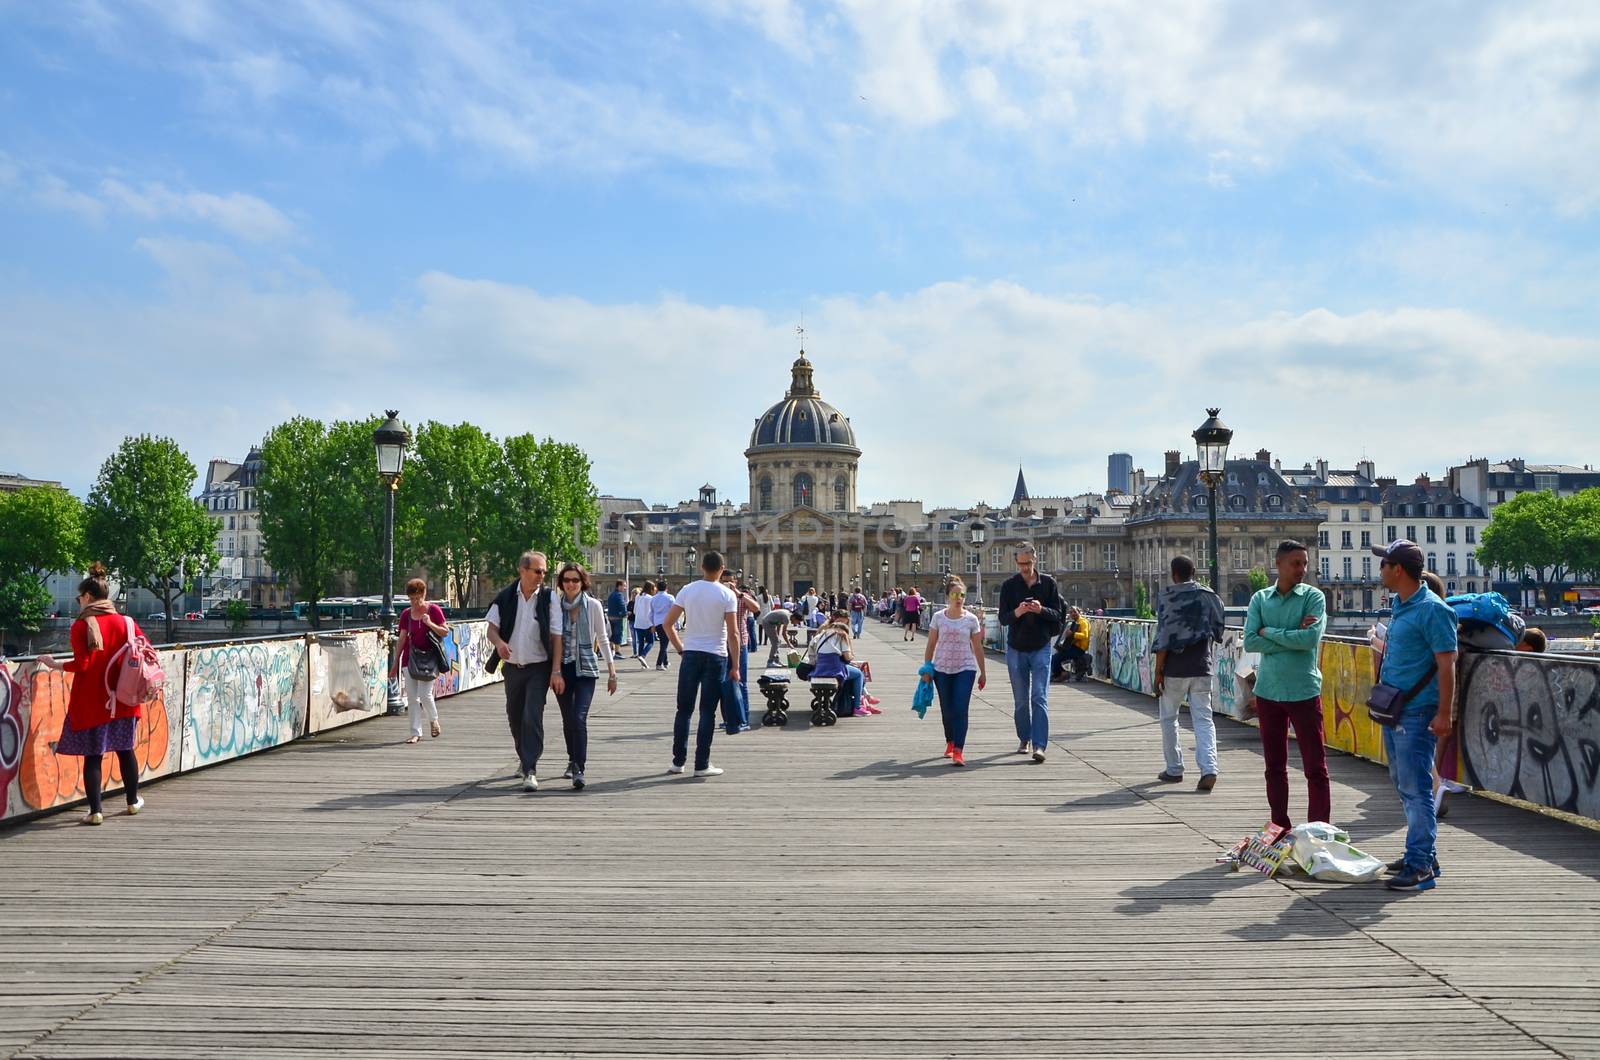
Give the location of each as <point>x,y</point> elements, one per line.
<point>526,633</point>
<point>1030,609</point>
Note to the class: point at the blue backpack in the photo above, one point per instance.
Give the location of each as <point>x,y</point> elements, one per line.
<point>1486,621</point>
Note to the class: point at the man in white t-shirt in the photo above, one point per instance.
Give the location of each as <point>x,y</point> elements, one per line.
<point>660,605</point>
<point>810,603</point>
<point>710,613</point>
<point>644,623</point>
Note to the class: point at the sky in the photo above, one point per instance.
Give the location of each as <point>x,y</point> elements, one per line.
<point>1015,232</point>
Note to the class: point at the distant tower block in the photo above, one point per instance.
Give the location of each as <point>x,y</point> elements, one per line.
<point>1119,472</point>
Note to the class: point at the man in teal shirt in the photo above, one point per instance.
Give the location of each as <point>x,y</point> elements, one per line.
<point>1285,624</point>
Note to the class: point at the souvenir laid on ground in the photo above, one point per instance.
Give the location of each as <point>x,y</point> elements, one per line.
<point>1267,851</point>
<point>1323,852</point>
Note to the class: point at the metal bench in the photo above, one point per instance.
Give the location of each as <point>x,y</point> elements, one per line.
<point>823,692</point>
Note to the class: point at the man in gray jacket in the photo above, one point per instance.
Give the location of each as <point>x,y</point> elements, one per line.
<point>1189,621</point>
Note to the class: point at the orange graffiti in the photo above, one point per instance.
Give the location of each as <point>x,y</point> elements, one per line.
<point>49,779</point>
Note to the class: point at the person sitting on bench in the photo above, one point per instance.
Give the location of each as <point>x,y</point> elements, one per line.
<point>832,657</point>
<point>1072,648</point>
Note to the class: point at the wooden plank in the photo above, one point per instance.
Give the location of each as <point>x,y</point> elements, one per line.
<point>841,892</point>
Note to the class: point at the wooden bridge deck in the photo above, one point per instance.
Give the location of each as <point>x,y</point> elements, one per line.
<point>838,893</point>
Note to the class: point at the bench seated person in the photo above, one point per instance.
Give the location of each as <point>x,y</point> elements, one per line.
<point>833,659</point>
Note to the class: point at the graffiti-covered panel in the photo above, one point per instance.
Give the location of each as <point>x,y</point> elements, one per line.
<point>348,678</point>
<point>33,709</point>
<point>1346,685</point>
<point>242,698</point>
<point>1132,665</point>
<point>1530,728</point>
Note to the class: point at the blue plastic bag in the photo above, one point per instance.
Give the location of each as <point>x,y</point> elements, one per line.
<point>922,698</point>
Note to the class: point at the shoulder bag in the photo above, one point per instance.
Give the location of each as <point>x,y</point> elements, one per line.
<point>1387,703</point>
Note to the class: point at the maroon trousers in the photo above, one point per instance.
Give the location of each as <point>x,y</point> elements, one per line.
<point>1306,717</point>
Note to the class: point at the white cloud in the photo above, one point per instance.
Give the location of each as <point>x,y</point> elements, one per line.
<point>236,213</point>
<point>996,374</point>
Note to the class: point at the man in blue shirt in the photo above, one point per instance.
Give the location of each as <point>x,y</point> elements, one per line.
<point>1420,654</point>
<point>616,612</point>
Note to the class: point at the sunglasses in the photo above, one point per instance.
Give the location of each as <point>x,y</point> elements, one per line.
<point>572,580</point>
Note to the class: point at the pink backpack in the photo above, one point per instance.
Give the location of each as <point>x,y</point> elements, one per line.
<point>136,669</point>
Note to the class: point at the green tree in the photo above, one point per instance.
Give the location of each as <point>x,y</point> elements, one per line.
<point>1581,519</point>
<point>358,529</point>
<point>1528,534</point>
<point>41,533</point>
<point>1259,579</point>
<point>24,605</point>
<point>546,501</point>
<point>237,612</point>
<point>298,493</point>
<point>1141,601</point>
<point>454,484</point>
<point>144,525</point>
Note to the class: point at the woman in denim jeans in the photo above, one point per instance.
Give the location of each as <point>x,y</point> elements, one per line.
<point>955,648</point>
<point>583,618</point>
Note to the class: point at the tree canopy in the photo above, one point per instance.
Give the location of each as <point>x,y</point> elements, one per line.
<point>143,523</point>
<point>1544,536</point>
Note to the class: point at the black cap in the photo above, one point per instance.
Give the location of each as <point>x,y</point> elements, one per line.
<point>1400,551</point>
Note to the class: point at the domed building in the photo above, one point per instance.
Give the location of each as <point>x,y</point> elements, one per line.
<point>802,452</point>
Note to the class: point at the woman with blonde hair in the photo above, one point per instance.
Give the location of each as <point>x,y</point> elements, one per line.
<point>831,649</point>
<point>96,723</point>
<point>955,650</point>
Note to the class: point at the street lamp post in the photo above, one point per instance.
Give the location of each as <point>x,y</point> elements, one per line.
<point>1211,440</point>
<point>884,567</point>
<point>980,534</point>
<point>916,559</point>
<point>691,555</point>
<point>390,441</point>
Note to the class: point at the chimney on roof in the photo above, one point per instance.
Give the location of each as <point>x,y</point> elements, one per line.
<point>1422,480</point>
<point>1367,469</point>
<point>1172,462</point>
<point>1264,455</point>
<point>1322,469</point>
<point>1388,482</point>
<point>1277,465</point>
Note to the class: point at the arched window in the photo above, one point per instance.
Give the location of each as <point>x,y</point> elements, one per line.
<point>766,493</point>
<point>839,490</point>
<point>805,492</point>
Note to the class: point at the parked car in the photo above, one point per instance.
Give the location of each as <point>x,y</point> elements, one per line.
<point>193,616</point>
<point>159,616</point>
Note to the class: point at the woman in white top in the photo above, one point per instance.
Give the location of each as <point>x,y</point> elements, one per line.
<point>584,643</point>
<point>955,648</point>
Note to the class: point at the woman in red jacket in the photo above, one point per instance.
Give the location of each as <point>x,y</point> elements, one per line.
<point>96,723</point>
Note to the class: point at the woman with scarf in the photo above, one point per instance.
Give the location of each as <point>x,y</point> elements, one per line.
<point>96,723</point>
<point>583,642</point>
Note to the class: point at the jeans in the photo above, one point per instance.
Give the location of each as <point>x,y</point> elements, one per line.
<point>1030,687</point>
<point>661,635</point>
<point>702,673</point>
<point>526,688</point>
<point>736,695</point>
<point>643,638</point>
<point>858,619</point>
<point>574,704</point>
<point>1410,746</point>
<point>1306,717</point>
<point>850,686</point>
<point>1198,692</point>
<point>955,700</point>
<point>419,702</point>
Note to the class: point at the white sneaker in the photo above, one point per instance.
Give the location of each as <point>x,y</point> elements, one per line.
<point>1038,754</point>
<point>675,769</point>
<point>135,806</point>
<point>708,771</point>
<point>1026,748</point>
<point>530,782</point>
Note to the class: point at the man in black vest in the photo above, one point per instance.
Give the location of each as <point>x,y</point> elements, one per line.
<point>526,633</point>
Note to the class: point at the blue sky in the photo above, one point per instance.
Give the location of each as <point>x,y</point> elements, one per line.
<point>1058,229</point>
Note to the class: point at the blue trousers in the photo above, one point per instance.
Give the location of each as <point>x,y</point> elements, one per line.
<point>1410,746</point>
<point>1030,689</point>
<point>736,695</point>
<point>850,686</point>
<point>661,635</point>
<point>700,675</point>
<point>955,703</point>
<point>857,620</point>
<point>643,637</point>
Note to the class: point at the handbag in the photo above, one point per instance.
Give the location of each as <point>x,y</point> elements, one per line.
<point>423,664</point>
<point>1387,703</point>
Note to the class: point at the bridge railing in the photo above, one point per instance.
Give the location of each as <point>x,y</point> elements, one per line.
<point>1527,725</point>
<point>221,700</point>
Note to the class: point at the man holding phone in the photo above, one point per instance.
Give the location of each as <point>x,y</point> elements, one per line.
<point>1030,609</point>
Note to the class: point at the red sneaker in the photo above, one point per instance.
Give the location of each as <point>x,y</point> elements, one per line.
<point>949,749</point>
<point>956,759</point>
